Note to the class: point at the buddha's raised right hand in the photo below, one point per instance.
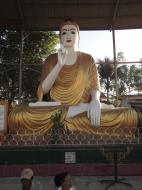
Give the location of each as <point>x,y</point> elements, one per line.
<point>48,82</point>
<point>62,55</point>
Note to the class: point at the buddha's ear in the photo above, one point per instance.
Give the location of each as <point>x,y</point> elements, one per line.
<point>77,42</point>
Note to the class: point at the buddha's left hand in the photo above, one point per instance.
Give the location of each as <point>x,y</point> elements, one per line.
<point>94,112</point>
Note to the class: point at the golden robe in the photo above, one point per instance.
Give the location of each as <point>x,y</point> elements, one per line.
<point>72,87</point>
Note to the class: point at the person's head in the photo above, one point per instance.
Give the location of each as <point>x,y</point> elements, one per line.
<point>69,34</point>
<point>26,178</point>
<point>63,179</point>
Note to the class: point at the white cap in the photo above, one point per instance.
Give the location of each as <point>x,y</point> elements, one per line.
<point>27,173</point>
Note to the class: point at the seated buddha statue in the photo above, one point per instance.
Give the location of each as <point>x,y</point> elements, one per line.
<point>70,78</point>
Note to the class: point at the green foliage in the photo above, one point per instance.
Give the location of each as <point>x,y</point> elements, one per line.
<point>129,76</point>
<point>56,119</point>
<point>121,57</point>
<point>36,47</point>
<point>122,73</point>
<point>135,78</point>
<point>129,79</point>
<point>106,71</point>
<point>40,45</point>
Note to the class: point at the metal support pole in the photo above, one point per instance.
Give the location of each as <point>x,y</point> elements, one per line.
<point>21,20</point>
<point>115,66</point>
<point>20,67</point>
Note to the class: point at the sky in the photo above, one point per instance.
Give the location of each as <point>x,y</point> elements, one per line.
<point>99,43</point>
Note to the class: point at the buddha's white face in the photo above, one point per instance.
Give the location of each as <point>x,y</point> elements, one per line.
<point>69,36</point>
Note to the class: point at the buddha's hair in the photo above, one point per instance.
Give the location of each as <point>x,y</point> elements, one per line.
<point>59,178</point>
<point>69,21</point>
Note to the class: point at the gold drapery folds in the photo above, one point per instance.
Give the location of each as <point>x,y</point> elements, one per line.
<point>72,87</point>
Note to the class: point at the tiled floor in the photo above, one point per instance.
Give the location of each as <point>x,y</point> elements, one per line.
<point>82,183</point>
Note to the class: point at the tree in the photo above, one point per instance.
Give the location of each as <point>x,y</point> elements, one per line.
<point>122,73</point>
<point>129,77</point>
<point>120,56</point>
<point>135,78</point>
<point>106,71</point>
<point>37,46</point>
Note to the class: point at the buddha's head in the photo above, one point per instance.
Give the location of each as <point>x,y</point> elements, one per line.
<point>69,34</point>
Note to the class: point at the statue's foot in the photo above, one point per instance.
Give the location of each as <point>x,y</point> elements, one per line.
<point>75,110</point>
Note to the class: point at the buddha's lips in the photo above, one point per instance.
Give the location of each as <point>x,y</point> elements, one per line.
<point>68,40</point>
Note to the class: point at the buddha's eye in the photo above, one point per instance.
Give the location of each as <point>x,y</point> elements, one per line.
<point>73,32</point>
<point>63,33</point>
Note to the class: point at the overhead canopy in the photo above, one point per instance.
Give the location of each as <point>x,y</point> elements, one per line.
<point>90,14</point>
